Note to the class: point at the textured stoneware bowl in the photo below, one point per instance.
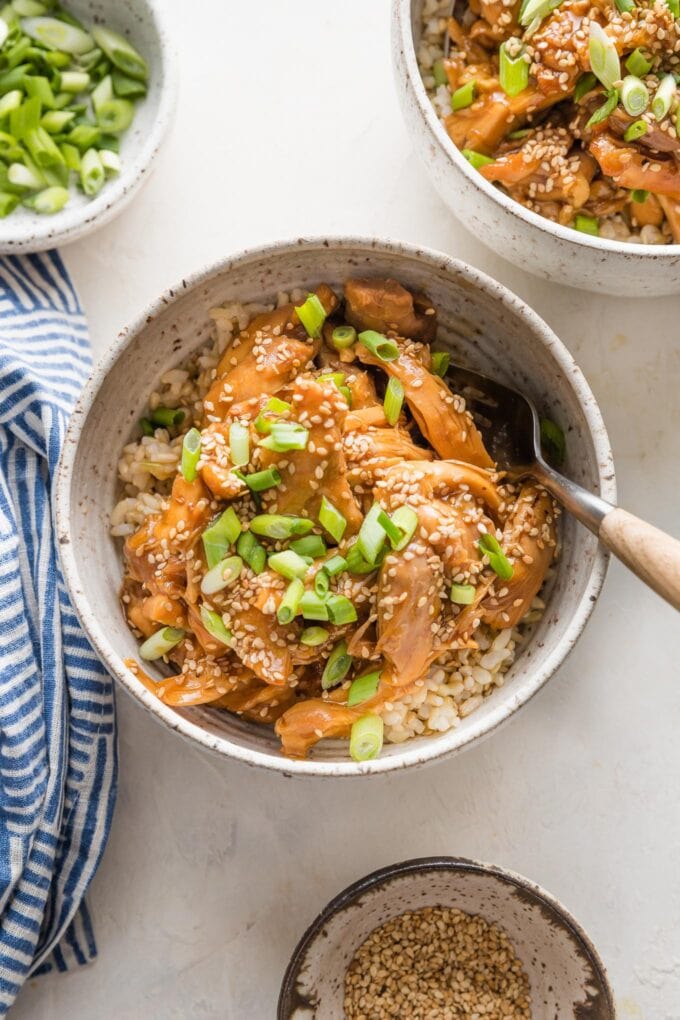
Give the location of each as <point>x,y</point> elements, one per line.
<point>566,975</point>
<point>486,326</point>
<point>143,22</point>
<point>528,240</point>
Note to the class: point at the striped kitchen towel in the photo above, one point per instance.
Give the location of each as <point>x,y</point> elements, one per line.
<point>57,724</point>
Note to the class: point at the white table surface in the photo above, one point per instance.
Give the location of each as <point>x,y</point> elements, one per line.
<point>288,124</point>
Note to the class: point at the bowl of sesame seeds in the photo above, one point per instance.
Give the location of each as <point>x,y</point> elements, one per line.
<point>444,937</point>
<point>550,129</point>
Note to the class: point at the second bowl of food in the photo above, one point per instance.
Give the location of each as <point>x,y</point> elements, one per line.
<point>283,531</point>
<point>550,130</point>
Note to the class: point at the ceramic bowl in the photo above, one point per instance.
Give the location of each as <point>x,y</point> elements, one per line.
<point>485,325</point>
<point>508,228</point>
<point>144,23</point>
<point>566,975</point>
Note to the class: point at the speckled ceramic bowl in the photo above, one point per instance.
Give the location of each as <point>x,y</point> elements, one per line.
<point>485,325</point>
<point>566,975</point>
<point>144,23</point>
<point>508,228</point>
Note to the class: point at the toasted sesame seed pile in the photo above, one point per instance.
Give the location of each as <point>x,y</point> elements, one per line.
<point>437,963</point>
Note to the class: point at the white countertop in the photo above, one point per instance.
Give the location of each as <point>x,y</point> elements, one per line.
<point>213,871</point>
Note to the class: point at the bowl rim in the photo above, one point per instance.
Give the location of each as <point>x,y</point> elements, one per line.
<point>413,754</point>
<point>36,234</point>
<point>385,875</point>
<point>404,43</point>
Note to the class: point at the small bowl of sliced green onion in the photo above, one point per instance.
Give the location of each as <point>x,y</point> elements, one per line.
<point>87,92</point>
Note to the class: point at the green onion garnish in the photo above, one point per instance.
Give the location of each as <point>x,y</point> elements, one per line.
<point>635,130</point>
<point>239,444</point>
<point>338,665</point>
<point>366,738</point>
<point>8,204</point>
<point>311,545</point>
<point>340,610</point>
<point>406,519</point>
<point>92,175</point>
<point>288,564</point>
<point>214,625</point>
<point>553,441</point>
<point>371,537</point>
<point>476,159</point>
<point>261,480</point>
<point>439,73</point>
<point>337,378</point>
<point>634,95</point>
<point>120,52</point>
<point>464,96</point>
<point>384,349</point>
<point>55,34</point>
<point>587,224</point>
<point>161,642</point>
<point>674,7</point>
<point>290,602</point>
<point>167,416</point>
<point>312,607</point>
<point>314,636</point>
<point>331,519</point>
<point>347,394</point>
<point>343,337</point>
<point>498,561</point>
<point>280,527</point>
<point>222,575</point>
<point>584,85</point>
<point>604,58</point>
<point>312,315</point>
<point>335,565</point>
<point>513,71</point>
<point>463,594</point>
<point>146,427</point>
<point>49,201</point>
<point>639,195</point>
<point>363,688</point>
<point>191,453</point>
<point>663,97</point>
<point>440,363</point>
<point>624,5</point>
<point>393,531</point>
<point>638,64</point>
<point>285,436</point>
<point>606,109</point>
<point>322,583</point>
<point>356,564</point>
<point>263,423</point>
<point>394,400</point>
<point>251,552</point>
<point>220,536</point>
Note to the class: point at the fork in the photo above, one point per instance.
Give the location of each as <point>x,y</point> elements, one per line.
<point>511,427</point>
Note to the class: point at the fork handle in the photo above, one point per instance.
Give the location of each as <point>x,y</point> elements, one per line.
<point>651,554</point>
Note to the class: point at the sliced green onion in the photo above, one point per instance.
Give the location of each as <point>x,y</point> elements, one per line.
<point>498,561</point>
<point>214,625</point>
<point>553,441</point>
<point>406,519</point>
<point>371,537</point>
<point>604,58</point>
<point>8,204</point>
<point>261,480</point>
<point>285,436</point>
<point>279,526</point>
<point>222,575</point>
<point>335,565</point>
<point>49,201</point>
<point>29,8</point>
<point>312,315</point>
<point>264,424</point>
<point>338,665</point>
<point>347,394</point>
<point>321,583</point>
<point>356,564</point>
<point>220,536</point>
<point>311,545</point>
<point>121,53</point>
<point>463,594</point>
<point>634,95</point>
<point>127,88</point>
<point>639,195</point>
<point>464,96</point>
<point>191,452</point>
<point>92,174</point>
<point>312,607</point>
<point>42,148</point>
<point>116,115</point>
<point>252,552</point>
<point>343,337</point>
<point>584,85</point>
<point>110,161</point>
<point>439,73</point>
<point>38,87</point>
<point>160,643</point>
<point>606,109</point>
<point>393,532</point>
<point>363,688</point>
<point>74,82</point>
<point>290,602</point>
<point>440,363</point>
<point>288,564</point>
<point>314,636</point>
<point>663,97</point>
<point>146,427</point>
<point>84,136</point>
<point>10,101</point>
<point>340,610</point>
<point>57,35</point>
<point>476,159</point>
<point>521,132</point>
<point>394,401</point>
<point>635,130</point>
<point>166,416</point>
<point>366,738</point>
<point>331,519</point>
<point>239,444</point>
<point>638,64</point>
<point>674,7</point>
<point>513,72</point>
<point>587,224</point>
<point>25,177</point>
<point>102,92</point>
<point>625,5</point>
<point>54,121</point>
<point>384,349</point>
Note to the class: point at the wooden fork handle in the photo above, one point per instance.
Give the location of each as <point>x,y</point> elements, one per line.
<point>648,552</point>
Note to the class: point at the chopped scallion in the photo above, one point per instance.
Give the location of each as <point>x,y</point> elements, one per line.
<point>288,564</point>
<point>634,95</point>
<point>280,526</point>
<point>587,224</point>
<point>251,552</point>
<point>312,315</point>
<point>160,643</point>
<point>394,401</point>
<point>635,130</point>
<point>340,610</point>
<point>638,64</point>
<point>261,480</point>
<point>167,416</point>
<point>513,71</point>
<point>584,85</point>
<point>663,97</point>
<point>366,738</point>
<point>604,57</point>
<point>57,35</point>
<point>321,583</point>
<point>221,534</point>
<point>312,637</point>
<point>476,159</point>
<point>214,624</point>
<point>379,345</point>
<point>356,564</point>
<point>290,602</point>
<point>498,561</point>
<point>463,594</point>
<point>285,436</point>
<point>639,195</point>
<point>406,519</point>
<point>121,53</point>
<point>553,441</point>
<point>312,607</point>
<point>606,109</point>
<point>191,453</point>
<point>363,688</point>
<point>393,532</point>
<point>439,73</point>
<point>625,5</point>
<point>338,665</point>
<point>222,575</point>
<point>440,363</point>
<point>371,537</point>
<point>49,201</point>
<point>343,337</point>
<point>331,519</point>
<point>464,96</point>
<point>335,565</point>
<point>311,545</point>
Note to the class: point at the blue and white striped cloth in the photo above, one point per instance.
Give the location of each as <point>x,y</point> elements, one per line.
<point>58,761</point>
